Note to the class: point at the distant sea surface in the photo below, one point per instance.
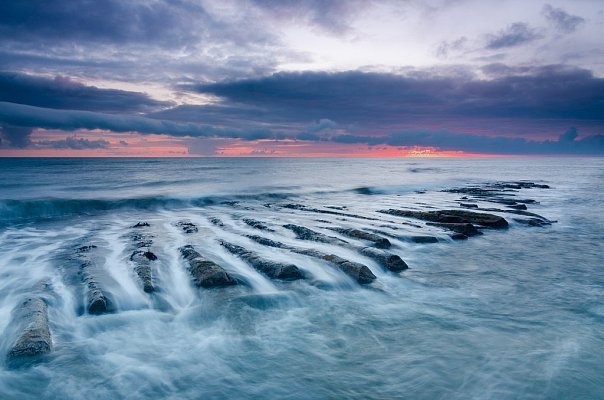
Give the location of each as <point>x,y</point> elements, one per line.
<point>516,313</point>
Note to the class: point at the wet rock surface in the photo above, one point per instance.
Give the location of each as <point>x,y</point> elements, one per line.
<point>98,301</point>
<point>391,262</point>
<point>377,240</point>
<point>272,269</point>
<point>304,233</point>
<point>34,338</point>
<point>257,224</point>
<point>452,217</point>
<point>205,273</point>
<point>187,226</point>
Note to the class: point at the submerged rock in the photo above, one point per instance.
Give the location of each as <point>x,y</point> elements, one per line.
<point>34,336</point>
<point>272,269</point>
<point>423,239</point>
<point>379,241</point>
<point>461,228</point>
<point>304,233</point>
<point>361,273</point>
<point>97,301</point>
<point>257,224</point>
<point>187,227</point>
<point>141,225</point>
<point>142,267</point>
<point>518,206</point>
<point>205,273</point>
<point>453,217</point>
<point>468,205</point>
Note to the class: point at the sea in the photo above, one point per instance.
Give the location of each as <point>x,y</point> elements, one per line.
<point>514,313</point>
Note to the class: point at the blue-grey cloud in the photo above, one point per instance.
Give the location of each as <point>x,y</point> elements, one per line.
<point>383,101</point>
<point>562,21</point>
<point>515,34</point>
<point>64,93</point>
<point>73,143</point>
<point>567,143</point>
<point>18,121</point>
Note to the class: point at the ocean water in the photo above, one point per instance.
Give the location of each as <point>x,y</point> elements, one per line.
<point>511,314</point>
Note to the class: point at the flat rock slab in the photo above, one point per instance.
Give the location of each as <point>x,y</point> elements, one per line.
<point>187,227</point>
<point>377,240</point>
<point>257,224</point>
<point>361,273</point>
<point>142,268</point>
<point>34,338</point>
<point>453,217</point>
<point>272,269</point>
<point>304,233</point>
<point>387,260</point>
<point>205,273</point>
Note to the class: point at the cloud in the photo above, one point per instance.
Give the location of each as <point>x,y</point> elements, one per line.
<point>16,136</point>
<point>18,120</point>
<point>454,141</point>
<point>383,101</point>
<point>64,93</point>
<point>73,143</point>
<point>562,21</point>
<point>516,34</point>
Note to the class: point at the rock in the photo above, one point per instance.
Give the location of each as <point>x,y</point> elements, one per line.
<point>458,236</point>
<point>532,222</point>
<point>468,205</point>
<point>272,269</point>
<point>187,227</point>
<point>141,225</point>
<point>34,336</point>
<point>379,241</point>
<point>389,261</point>
<point>423,239</point>
<point>257,224</point>
<point>205,273</point>
<point>453,217</point>
<point>85,249</point>
<point>216,221</point>
<point>301,207</point>
<point>518,206</point>
<point>303,233</point>
<point>464,229</point>
<point>98,301</point>
<point>142,267</point>
<point>361,273</point>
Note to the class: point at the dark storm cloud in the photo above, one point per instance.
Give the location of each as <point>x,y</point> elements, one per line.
<point>516,34</point>
<point>18,121</point>
<point>64,93</point>
<point>562,20</point>
<point>164,23</point>
<point>383,100</point>
<point>73,143</point>
<point>567,143</point>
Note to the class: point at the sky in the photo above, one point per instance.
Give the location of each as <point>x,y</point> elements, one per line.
<point>186,78</point>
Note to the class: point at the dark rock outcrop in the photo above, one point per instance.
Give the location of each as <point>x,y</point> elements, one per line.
<point>141,225</point>
<point>272,269</point>
<point>468,205</point>
<point>518,206</point>
<point>464,229</point>
<point>422,239</point>
<point>34,335</point>
<point>453,217</point>
<point>389,261</point>
<point>98,302</point>
<point>361,273</point>
<point>304,233</point>
<point>257,224</point>
<point>205,273</point>
<point>378,240</point>
<point>142,267</point>
<point>187,227</point>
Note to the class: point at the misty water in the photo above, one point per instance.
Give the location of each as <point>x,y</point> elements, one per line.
<point>514,313</point>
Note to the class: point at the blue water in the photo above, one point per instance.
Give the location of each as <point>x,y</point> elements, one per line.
<point>511,314</point>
